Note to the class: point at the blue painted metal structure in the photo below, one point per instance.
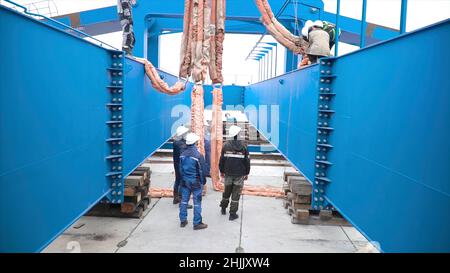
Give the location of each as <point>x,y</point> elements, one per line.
<point>382,144</point>
<point>385,140</point>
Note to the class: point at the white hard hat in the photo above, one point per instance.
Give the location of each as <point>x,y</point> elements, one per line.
<point>309,24</point>
<point>305,32</point>
<point>192,138</point>
<point>305,29</point>
<point>181,130</point>
<point>234,131</point>
<point>318,23</point>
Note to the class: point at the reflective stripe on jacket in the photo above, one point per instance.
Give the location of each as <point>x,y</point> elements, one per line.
<point>234,159</point>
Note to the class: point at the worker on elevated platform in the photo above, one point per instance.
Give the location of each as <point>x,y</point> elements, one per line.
<point>124,9</point>
<point>319,40</point>
<point>179,145</point>
<point>234,167</point>
<point>192,170</point>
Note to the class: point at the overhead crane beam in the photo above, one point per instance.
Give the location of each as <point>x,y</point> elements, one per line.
<point>242,17</point>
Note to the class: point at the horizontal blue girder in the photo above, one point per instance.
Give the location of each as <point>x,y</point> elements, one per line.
<point>100,21</point>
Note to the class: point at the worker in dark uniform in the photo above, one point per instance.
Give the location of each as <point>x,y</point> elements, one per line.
<point>234,166</point>
<point>179,145</point>
<point>192,170</point>
<point>207,149</point>
<point>124,9</point>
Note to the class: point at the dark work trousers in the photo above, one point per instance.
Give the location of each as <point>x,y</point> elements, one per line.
<point>233,189</point>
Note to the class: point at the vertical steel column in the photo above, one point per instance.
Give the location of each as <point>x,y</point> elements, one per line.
<point>404,16</point>
<point>259,70</point>
<point>363,25</point>
<point>324,130</point>
<point>276,58</point>
<point>115,125</point>
<point>271,64</point>
<point>338,14</point>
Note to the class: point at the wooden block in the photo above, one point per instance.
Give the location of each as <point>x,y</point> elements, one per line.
<point>146,169</point>
<point>291,196</point>
<point>128,207</point>
<point>299,185</point>
<point>296,206</point>
<point>295,220</point>
<point>302,199</point>
<point>136,199</point>
<point>326,215</point>
<point>302,214</point>
<point>287,174</point>
<point>134,181</point>
<point>140,173</point>
<point>129,191</point>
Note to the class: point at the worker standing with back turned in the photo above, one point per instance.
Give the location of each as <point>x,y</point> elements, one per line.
<point>179,145</point>
<point>234,166</point>
<point>124,9</point>
<point>319,41</point>
<point>192,170</point>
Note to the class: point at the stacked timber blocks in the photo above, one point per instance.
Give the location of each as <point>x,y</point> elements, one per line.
<point>136,197</point>
<point>137,185</point>
<point>298,197</point>
<point>297,202</point>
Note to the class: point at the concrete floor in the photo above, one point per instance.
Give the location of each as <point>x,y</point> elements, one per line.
<point>266,226</point>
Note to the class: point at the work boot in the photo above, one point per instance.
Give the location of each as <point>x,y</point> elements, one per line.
<point>176,199</point>
<point>200,226</point>
<point>233,216</point>
<point>223,210</point>
<point>184,223</point>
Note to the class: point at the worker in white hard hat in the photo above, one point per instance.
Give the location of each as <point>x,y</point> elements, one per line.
<point>304,44</point>
<point>179,145</point>
<point>319,42</point>
<point>192,170</point>
<point>234,167</point>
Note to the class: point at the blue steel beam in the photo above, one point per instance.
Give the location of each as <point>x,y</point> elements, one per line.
<point>386,166</point>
